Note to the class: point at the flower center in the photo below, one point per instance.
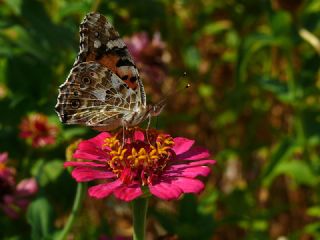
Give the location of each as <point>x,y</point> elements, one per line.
<point>140,160</point>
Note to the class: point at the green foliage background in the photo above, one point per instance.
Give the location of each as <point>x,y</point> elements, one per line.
<point>254,102</point>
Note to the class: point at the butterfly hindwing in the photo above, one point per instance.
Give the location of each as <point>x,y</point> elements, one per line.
<point>94,96</point>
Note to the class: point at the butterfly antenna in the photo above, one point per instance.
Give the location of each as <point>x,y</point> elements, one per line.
<point>174,92</point>
<point>157,108</point>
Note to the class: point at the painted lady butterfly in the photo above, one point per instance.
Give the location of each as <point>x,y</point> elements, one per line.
<point>103,89</point>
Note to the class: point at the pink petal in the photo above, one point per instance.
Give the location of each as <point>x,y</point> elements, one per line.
<point>79,154</point>
<point>90,151</point>
<point>138,136</point>
<point>3,157</point>
<point>90,148</point>
<point>83,164</point>
<point>181,145</point>
<point>165,191</point>
<point>99,139</point>
<point>190,172</point>
<point>104,189</point>
<point>85,174</point>
<point>128,193</point>
<point>195,153</point>
<point>188,185</point>
<point>27,187</point>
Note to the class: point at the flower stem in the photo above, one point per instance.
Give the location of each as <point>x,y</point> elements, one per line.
<point>140,207</point>
<point>76,205</point>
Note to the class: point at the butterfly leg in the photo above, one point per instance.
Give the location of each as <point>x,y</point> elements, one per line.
<point>148,126</point>
<point>123,137</point>
<point>124,131</point>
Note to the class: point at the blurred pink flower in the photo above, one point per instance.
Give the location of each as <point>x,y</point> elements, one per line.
<point>37,130</point>
<point>149,55</point>
<point>166,166</point>
<point>6,172</point>
<point>14,198</point>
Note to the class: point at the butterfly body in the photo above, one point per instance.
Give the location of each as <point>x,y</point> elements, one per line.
<point>103,90</point>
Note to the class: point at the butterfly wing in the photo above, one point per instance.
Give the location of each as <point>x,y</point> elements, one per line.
<point>100,42</point>
<point>103,88</point>
<point>95,96</point>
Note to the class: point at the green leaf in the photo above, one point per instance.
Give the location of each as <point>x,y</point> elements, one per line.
<point>299,172</point>
<point>39,216</point>
<point>192,58</point>
<point>216,27</point>
<point>205,90</point>
<point>15,5</point>
<point>47,171</point>
<point>314,211</point>
<point>278,88</point>
<point>282,152</point>
<point>281,23</point>
<point>71,133</point>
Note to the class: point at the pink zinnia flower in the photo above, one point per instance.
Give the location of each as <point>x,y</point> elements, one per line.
<point>14,198</point>
<point>38,131</point>
<point>164,166</point>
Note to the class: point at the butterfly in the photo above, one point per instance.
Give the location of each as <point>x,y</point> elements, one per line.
<point>103,89</point>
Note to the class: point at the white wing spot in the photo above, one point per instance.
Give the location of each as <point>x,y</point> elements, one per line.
<point>100,94</point>
<point>115,81</point>
<point>129,92</point>
<point>96,43</point>
<point>115,43</point>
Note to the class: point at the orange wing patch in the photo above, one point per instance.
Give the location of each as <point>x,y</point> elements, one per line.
<point>126,73</point>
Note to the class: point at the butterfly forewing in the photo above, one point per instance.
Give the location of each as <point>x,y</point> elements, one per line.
<point>100,42</point>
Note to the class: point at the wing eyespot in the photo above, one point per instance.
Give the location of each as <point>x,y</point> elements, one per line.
<point>75,103</point>
<point>86,80</point>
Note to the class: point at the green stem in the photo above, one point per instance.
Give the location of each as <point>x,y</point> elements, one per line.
<point>76,205</point>
<point>139,209</point>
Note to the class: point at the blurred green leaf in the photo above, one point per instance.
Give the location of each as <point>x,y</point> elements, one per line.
<point>39,216</point>
<point>281,153</point>
<point>47,171</point>
<point>281,23</point>
<point>192,58</point>
<point>298,171</point>
<point>71,133</point>
<point>205,90</point>
<point>207,203</point>
<point>314,211</point>
<point>215,27</point>
<point>313,229</point>
<point>15,5</point>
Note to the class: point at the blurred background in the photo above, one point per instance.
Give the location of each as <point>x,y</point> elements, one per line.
<point>254,102</point>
